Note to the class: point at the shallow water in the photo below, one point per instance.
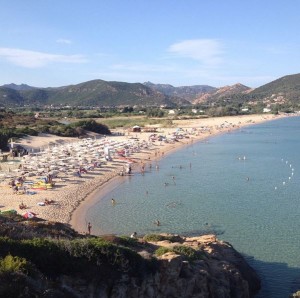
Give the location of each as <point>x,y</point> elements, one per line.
<point>253,203</point>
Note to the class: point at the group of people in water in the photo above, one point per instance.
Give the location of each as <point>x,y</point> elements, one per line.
<point>127,170</point>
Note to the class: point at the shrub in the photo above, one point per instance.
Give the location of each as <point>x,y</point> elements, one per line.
<point>186,251</point>
<point>92,125</point>
<point>87,257</point>
<point>12,264</point>
<point>26,131</point>
<point>162,250</point>
<point>154,237</point>
<point>157,237</point>
<point>127,241</point>
<point>12,214</point>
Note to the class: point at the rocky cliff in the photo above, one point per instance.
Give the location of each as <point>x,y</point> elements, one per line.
<point>221,272</point>
<point>66,264</point>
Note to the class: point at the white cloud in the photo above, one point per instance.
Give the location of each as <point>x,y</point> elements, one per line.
<point>32,59</point>
<point>64,41</point>
<point>207,51</point>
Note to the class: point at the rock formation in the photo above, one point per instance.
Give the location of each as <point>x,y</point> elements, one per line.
<point>43,259</point>
<point>221,272</point>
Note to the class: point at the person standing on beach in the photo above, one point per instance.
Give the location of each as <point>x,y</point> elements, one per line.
<point>89,228</point>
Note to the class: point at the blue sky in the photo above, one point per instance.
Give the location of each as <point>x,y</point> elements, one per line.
<point>48,43</point>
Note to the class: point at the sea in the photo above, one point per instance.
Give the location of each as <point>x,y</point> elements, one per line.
<point>243,186</point>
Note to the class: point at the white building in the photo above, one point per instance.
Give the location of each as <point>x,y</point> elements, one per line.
<point>266,110</point>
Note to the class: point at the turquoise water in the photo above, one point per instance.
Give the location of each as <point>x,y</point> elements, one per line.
<point>253,203</point>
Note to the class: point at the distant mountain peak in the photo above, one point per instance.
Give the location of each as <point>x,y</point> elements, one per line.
<point>223,91</point>
<point>113,93</point>
<point>188,93</point>
<point>20,87</point>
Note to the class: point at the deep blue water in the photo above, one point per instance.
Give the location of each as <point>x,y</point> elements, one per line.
<point>253,203</point>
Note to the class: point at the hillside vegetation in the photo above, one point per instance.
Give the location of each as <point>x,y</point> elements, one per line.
<point>283,93</point>
<point>14,125</point>
<point>92,93</point>
<point>288,87</point>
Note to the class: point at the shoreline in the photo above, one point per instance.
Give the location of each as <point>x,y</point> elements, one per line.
<point>78,217</point>
<point>73,196</point>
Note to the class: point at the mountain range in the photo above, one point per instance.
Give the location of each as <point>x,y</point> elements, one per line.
<point>112,93</point>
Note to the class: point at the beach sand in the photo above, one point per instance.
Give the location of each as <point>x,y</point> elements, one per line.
<point>73,196</point>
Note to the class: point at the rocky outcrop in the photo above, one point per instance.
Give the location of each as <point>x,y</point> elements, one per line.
<point>116,267</point>
<point>295,295</point>
<point>221,272</point>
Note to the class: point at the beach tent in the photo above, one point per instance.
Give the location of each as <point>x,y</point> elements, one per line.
<point>29,214</point>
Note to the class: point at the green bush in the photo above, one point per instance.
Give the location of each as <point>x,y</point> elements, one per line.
<point>154,238</point>
<point>186,251</point>
<point>55,257</point>
<point>26,131</point>
<point>92,125</point>
<point>12,264</point>
<point>157,237</point>
<point>127,241</point>
<point>162,250</point>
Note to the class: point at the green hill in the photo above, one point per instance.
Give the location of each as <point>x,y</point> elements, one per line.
<point>91,93</point>
<point>285,90</point>
<point>287,86</point>
<point>10,97</point>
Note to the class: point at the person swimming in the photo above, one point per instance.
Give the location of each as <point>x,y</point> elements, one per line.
<point>157,222</point>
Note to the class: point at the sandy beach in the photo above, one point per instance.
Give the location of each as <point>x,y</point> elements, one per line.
<point>73,195</point>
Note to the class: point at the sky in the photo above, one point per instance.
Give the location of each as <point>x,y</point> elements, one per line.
<point>50,43</point>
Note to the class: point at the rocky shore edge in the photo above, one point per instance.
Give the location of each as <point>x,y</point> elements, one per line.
<point>218,271</point>
<point>64,263</point>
